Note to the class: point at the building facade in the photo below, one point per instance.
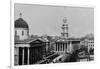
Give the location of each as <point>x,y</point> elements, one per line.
<point>61,44</point>
<point>65,44</point>
<point>27,51</point>
<point>88,42</point>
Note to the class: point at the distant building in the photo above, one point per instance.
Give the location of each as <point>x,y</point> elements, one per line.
<point>88,41</point>
<point>64,44</point>
<point>90,44</point>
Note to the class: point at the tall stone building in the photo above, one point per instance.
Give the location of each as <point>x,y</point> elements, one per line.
<point>65,44</point>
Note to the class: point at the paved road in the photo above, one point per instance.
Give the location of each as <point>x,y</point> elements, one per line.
<point>48,59</point>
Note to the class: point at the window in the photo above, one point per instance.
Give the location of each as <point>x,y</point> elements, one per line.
<point>22,32</point>
<point>15,32</point>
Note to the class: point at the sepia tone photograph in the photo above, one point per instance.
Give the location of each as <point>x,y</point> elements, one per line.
<point>47,34</point>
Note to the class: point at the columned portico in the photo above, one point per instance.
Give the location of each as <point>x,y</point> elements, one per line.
<point>60,47</point>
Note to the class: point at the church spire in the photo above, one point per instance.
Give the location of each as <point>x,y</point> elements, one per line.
<point>65,28</point>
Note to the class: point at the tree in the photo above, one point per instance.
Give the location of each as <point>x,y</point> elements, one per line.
<point>74,56</point>
<point>84,48</point>
<point>91,51</point>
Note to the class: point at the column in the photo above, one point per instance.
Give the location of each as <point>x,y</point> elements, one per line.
<point>23,56</point>
<point>66,47</point>
<point>28,55</point>
<point>59,46</point>
<point>88,48</point>
<point>47,46</point>
<point>70,47</point>
<point>56,47</point>
<point>18,55</point>
<point>62,47</point>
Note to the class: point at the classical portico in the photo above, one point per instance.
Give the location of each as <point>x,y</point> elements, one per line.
<point>63,46</point>
<point>29,52</point>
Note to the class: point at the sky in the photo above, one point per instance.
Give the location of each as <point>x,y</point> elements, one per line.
<point>48,20</point>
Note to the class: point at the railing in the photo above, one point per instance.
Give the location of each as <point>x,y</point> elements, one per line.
<point>47,58</point>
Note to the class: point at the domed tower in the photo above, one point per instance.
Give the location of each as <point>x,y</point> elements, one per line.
<point>21,29</point>
<point>64,27</point>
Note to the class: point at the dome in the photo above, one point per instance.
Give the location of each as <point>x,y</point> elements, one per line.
<point>20,23</point>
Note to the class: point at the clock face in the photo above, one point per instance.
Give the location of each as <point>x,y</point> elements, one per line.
<point>65,19</point>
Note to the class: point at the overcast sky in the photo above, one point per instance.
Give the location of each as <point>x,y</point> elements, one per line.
<point>48,19</point>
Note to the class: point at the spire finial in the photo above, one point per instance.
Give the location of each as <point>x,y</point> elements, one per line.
<point>65,19</point>
<point>20,15</point>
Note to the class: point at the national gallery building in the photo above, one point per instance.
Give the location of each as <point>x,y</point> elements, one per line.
<point>27,51</point>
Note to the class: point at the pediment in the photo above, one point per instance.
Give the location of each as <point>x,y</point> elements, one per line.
<point>37,41</point>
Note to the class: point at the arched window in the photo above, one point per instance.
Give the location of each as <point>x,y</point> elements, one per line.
<point>22,32</point>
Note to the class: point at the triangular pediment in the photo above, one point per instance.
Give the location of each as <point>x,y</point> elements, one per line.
<point>37,41</point>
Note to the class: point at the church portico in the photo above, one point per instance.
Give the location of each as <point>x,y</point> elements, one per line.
<point>60,47</point>
<point>64,47</point>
